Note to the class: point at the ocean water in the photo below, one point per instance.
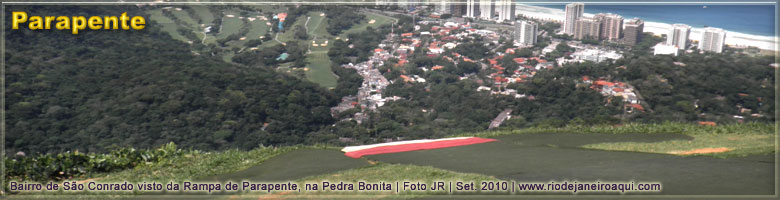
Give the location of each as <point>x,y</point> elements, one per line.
<point>750,19</point>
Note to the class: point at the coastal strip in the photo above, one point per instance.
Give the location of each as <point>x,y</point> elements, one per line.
<point>733,39</point>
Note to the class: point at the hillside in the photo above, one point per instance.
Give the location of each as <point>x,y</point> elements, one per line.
<point>750,144</point>
<point>107,89</point>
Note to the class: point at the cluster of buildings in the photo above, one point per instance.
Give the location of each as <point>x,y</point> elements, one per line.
<point>613,27</point>
<point>444,35</point>
<point>527,68</point>
<point>602,26</point>
<point>369,94</point>
<point>589,54</point>
<point>617,89</point>
<point>583,53</point>
<point>678,38</point>
<point>498,10</point>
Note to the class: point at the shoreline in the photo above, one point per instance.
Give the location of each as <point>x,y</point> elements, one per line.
<point>733,39</point>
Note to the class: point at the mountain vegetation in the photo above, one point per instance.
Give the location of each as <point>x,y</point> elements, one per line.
<point>103,90</point>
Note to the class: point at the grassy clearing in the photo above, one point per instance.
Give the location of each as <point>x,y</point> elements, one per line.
<point>319,69</point>
<point>204,14</point>
<point>742,139</point>
<point>665,127</point>
<point>317,25</point>
<point>380,19</point>
<point>399,172</point>
<point>259,28</point>
<point>184,17</point>
<point>389,173</point>
<point>168,25</point>
<point>289,32</point>
<point>740,145</point>
<point>230,26</point>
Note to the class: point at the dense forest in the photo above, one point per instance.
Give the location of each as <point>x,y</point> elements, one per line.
<point>105,89</point>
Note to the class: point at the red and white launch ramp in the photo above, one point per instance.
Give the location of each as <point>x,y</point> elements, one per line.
<point>411,145</point>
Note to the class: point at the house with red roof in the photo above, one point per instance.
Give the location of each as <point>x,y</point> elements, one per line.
<point>636,107</point>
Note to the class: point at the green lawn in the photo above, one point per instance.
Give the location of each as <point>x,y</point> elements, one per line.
<point>740,139</point>
<point>289,33</point>
<point>204,14</point>
<point>281,163</point>
<point>184,17</point>
<point>317,25</point>
<point>319,69</point>
<point>167,24</point>
<point>230,25</point>
<point>738,144</point>
<point>206,18</point>
<point>258,29</point>
<point>380,19</point>
<point>391,173</point>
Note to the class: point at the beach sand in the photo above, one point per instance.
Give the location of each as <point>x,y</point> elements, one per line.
<point>734,39</point>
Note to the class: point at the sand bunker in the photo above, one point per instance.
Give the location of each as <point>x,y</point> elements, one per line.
<point>372,21</point>
<point>701,151</point>
<point>229,15</point>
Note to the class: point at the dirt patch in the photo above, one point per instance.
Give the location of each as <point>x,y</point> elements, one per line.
<point>702,151</point>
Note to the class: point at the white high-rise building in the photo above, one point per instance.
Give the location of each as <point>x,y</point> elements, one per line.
<point>487,9</point>
<point>402,3</point>
<point>712,39</point>
<point>506,10</point>
<point>472,8</point>
<point>382,2</point>
<point>574,11</point>
<point>443,7</point>
<point>525,32</point>
<point>678,35</point>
